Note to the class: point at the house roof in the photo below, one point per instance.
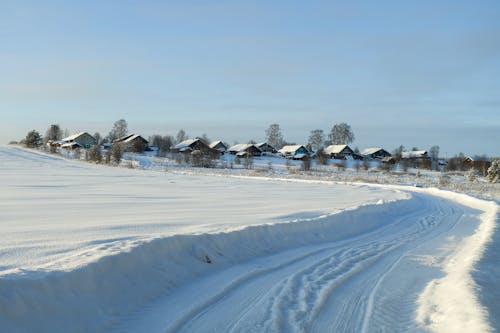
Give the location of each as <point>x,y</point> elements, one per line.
<point>185,144</point>
<point>372,150</point>
<point>261,144</point>
<point>335,149</point>
<point>240,147</point>
<point>123,138</point>
<point>291,149</point>
<point>414,154</point>
<point>216,143</point>
<point>74,136</point>
<point>129,138</point>
<point>70,145</point>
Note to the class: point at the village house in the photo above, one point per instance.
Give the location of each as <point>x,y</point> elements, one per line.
<point>296,152</point>
<point>194,145</point>
<point>414,154</point>
<point>376,153</point>
<point>341,152</point>
<point>266,148</point>
<point>245,150</point>
<point>220,146</point>
<point>79,140</point>
<point>133,142</point>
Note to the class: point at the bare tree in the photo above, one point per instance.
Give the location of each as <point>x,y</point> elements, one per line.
<point>316,139</point>
<point>94,154</point>
<point>274,136</point>
<point>434,153</point>
<point>117,152</point>
<point>341,134</point>
<point>306,163</point>
<point>163,143</point>
<point>205,139</point>
<point>322,157</point>
<point>98,138</point>
<point>181,136</point>
<point>53,133</point>
<point>119,130</point>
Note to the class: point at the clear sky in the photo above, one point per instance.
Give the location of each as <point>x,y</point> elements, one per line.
<point>417,73</point>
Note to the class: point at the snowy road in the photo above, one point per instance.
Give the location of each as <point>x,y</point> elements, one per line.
<point>87,248</point>
<point>368,283</point>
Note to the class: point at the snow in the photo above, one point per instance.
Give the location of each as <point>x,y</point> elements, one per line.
<point>94,248</point>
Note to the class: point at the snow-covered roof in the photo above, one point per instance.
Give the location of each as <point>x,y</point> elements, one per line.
<point>335,149</point>
<point>216,143</point>
<point>372,150</point>
<point>131,138</point>
<point>414,154</point>
<point>74,136</point>
<point>240,147</point>
<point>186,143</point>
<point>290,149</point>
<point>70,145</point>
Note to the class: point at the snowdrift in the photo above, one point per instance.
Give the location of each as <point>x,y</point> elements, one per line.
<point>95,297</point>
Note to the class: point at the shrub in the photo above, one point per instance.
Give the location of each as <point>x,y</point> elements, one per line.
<point>494,172</point>
<point>94,154</point>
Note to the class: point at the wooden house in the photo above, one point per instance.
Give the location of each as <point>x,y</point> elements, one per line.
<point>339,152</point>
<point>414,154</point>
<point>296,152</point>
<point>219,145</point>
<point>266,148</point>
<point>245,150</point>
<point>195,145</point>
<point>133,142</point>
<point>82,139</point>
<point>376,153</point>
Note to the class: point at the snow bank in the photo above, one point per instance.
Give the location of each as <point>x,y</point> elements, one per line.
<point>450,304</point>
<point>95,296</point>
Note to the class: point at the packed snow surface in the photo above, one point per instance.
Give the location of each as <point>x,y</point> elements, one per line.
<point>93,248</point>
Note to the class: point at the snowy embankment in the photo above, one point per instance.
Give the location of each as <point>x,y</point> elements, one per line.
<point>89,248</point>
<point>450,303</point>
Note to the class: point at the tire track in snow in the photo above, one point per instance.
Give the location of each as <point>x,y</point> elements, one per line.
<point>295,299</point>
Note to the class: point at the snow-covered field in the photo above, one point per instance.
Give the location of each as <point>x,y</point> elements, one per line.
<point>89,248</point>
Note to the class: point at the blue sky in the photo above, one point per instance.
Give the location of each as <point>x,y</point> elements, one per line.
<point>417,73</point>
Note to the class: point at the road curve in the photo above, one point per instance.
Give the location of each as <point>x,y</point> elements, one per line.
<point>367,283</point>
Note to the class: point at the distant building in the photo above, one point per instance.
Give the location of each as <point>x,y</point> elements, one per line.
<point>266,148</point>
<point>245,150</point>
<point>376,153</point>
<point>191,145</point>
<point>296,152</point>
<point>341,152</point>
<point>218,145</point>
<point>79,140</point>
<point>414,154</point>
<point>133,142</point>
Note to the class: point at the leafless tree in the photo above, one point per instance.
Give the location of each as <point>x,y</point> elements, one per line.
<point>181,136</point>
<point>94,154</point>
<point>274,136</point>
<point>116,152</point>
<point>119,130</point>
<point>53,133</point>
<point>316,139</point>
<point>341,134</point>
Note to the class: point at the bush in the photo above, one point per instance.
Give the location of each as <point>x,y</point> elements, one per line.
<point>322,157</point>
<point>33,139</point>
<point>116,152</point>
<point>306,163</point>
<point>94,154</point>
